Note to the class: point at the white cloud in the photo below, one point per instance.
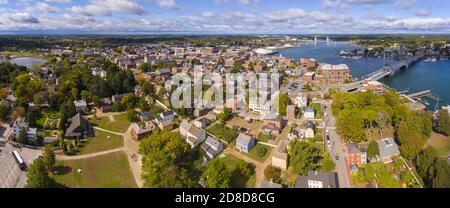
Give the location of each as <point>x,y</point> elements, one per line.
<point>107,7</point>
<point>18,18</point>
<point>167,4</point>
<point>44,7</point>
<point>284,15</point>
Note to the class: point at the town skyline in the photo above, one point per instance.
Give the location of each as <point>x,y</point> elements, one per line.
<point>224,17</point>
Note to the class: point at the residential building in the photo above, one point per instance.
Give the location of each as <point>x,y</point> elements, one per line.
<point>194,135</point>
<point>374,86</point>
<point>140,131</point>
<point>280,157</point>
<point>80,105</point>
<point>388,149</point>
<point>21,123</point>
<point>301,101</point>
<point>333,73</point>
<point>356,156</point>
<point>273,124</point>
<point>310,113</point>
<point>309,63</point>
<point>165,120</point>
<point>316,179</point>
<point>309,76</point>
<point>245,143</point>
<point>260,108</point>
<point>212,147</point>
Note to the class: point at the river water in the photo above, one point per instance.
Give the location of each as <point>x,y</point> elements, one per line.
<point>27,61</point>
<point>420,76</point>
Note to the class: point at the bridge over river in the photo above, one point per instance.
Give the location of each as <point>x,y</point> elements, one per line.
<point>392,69</point>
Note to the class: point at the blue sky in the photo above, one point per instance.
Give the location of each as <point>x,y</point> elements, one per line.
<point>224,16</point>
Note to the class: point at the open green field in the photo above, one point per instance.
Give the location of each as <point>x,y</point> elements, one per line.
<point>223,132</point>
<point>238,180</point>
<point>260,152</point>
<point>441,143</point>
<point>101,142</point>
<point>106,171</point>
<point>120,124</point>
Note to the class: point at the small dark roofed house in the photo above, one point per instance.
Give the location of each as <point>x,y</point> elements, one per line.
<point>317,180</point>
<point>78,127</point>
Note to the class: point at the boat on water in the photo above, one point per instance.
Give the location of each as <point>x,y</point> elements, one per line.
<point>428,60</point>
<point>433,59</point>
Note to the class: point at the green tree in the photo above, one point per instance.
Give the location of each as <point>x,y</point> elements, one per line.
<point>3,112</point>
<point>37,176</point>
<point>22,136</point>
<point>443,123</point>
<point>373,150</point>
<point>327,163</point>
<point>272,173</point>
<point>168,161</point>
<point>225,115</point>
<point>244,168</point>
<point>217,175</point>
<point>434,171</point>
<point>303,157</point>
<point>49,157</point>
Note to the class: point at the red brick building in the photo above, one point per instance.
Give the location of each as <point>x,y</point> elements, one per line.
<point>355,156</point>
<point>333,73</point>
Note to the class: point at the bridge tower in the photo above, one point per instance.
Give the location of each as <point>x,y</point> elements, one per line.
<point>315,40</point>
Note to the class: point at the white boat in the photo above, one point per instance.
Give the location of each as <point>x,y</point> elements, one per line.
<point>433,59</point>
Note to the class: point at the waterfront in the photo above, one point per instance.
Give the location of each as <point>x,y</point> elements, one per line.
<point>418,77</point>
<point>27,61</point>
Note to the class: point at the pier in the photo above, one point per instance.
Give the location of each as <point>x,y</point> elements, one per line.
<point>425,93</point>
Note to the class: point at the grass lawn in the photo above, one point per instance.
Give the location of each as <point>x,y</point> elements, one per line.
<point>120,124</point>
<point>223,132</point>
<point>263,137</point>
<point>100,142</point>
<point>53,119</point>
<point>106,171</point>
<point>318,110</point>
<point>238,180</point>
<point>260,152</point>
<point>441,143</point>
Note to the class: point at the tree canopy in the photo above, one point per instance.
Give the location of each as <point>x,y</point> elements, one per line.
<point>37,176</point>
<point>217,175</point>
<point>303,157</point>
<point>435,172</point>
<point>443,123</point>
<point>168,161</point>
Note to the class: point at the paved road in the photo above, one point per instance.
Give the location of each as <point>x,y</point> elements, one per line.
<point>86,156</point>
<point>337,149</point>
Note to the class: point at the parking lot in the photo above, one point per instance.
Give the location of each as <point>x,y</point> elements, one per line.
<point>10,174</point>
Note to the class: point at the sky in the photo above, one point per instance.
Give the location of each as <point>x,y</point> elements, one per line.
<point>224,16</point>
